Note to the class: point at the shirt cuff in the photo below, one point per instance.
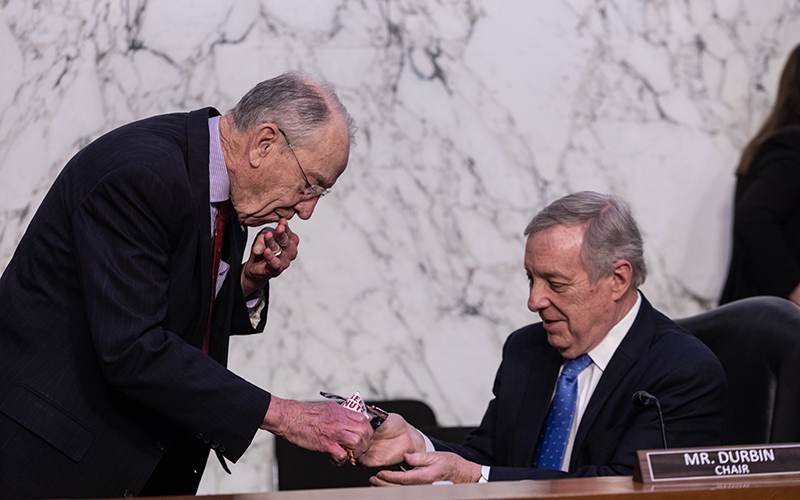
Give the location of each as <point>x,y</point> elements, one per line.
<point>428,443</point>
<point>255,303</point>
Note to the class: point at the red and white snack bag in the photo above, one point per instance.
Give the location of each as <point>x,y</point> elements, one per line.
<point>375,415</point>
<point>356,404</point>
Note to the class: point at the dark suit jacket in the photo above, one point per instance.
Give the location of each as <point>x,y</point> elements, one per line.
<point>102,312</point>
<point>766,222</point>
<point>656,356</point>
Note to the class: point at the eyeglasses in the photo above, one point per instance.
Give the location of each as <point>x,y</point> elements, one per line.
<point>312,190</point>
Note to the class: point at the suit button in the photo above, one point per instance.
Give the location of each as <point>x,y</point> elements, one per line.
<point>161,445</point>
<point>127,494</point>
<point>199,435</point>
<point>222,449</point>
<point>206,440</point>
<point>214,444</point>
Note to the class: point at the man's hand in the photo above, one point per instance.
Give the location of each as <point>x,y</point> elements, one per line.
<point>272,252</point>
<point>325,427</point>
<point>430,467</point>
<point>393,439</point>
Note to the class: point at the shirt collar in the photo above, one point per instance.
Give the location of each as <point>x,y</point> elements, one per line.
<point>219,185</point>
<point>602,353</point>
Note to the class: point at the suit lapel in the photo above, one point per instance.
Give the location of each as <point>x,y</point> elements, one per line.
<point>544,366</point>
<point>633,346</point>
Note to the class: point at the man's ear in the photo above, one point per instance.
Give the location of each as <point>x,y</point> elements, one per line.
<point>621,279</point>
<point>262,140</point>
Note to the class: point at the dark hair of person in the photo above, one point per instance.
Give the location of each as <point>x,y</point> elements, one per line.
<point>786,110</point>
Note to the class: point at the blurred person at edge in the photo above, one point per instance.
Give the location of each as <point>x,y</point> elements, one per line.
<point>766,218</point>
<point>599,343</point>
<point>114,325</point>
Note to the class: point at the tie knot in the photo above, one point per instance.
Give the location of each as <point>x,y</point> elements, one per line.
<point>573,367</point>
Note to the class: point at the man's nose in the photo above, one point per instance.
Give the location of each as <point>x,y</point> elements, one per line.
<point>537,297</point>
<point>305,208</point>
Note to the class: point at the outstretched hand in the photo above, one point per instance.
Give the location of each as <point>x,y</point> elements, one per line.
<point>430,467</point>
<point>325,427</point>
<point>393,439</point>
<point>272,252</point>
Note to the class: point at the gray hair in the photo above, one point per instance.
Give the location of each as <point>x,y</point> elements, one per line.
<point>298,105</point>
<point>611,233</point>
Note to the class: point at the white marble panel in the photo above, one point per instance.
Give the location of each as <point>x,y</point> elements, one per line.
<point>472,114</point>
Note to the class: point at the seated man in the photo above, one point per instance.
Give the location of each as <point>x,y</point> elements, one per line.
<point>563,393</point>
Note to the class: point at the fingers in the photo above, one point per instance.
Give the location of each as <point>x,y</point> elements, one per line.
<point>349,432</point>
<point>258,243</point>
<point>377,481</point>
<point>371,458</point>
<point>380,458</point>
<point>282,236</point>
<point>277,241</point>
<point>391,441</point>
<point>349,449</point>
<point>439,466</point>
<point>428,467</point>
<point>341,455</point>
<point>353,441</point>
<point>287,239</point>
<point>265,239</point>
<point>266,246</point>
<point>357,436</point>
<point>397,478</point>
<point>422,459</point>
<point>338,455</point>
<point>273,250</point>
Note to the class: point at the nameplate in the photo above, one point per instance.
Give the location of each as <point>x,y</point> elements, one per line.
<point>719,463</point>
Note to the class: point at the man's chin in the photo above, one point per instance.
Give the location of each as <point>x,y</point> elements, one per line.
<point>557,338</point>
<point>258,220</point>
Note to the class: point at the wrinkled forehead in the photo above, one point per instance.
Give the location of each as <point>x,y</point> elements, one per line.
<point>558,245</point>
<point>328,158</point>
<point>556,237</point>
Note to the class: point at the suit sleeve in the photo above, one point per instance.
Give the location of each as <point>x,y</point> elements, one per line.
<point>122,231</point>
<point>246,320</point>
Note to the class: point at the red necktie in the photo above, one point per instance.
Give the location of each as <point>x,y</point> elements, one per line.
<point>216,253</point>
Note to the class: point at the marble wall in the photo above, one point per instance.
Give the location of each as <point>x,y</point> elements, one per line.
<point>473,114</point>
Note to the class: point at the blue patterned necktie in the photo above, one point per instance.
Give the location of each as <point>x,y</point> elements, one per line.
<point>562,410</point>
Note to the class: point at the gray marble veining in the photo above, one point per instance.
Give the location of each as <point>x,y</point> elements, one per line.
<point>473,115</point>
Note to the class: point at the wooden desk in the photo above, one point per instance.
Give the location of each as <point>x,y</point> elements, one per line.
<point>596,488</point>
